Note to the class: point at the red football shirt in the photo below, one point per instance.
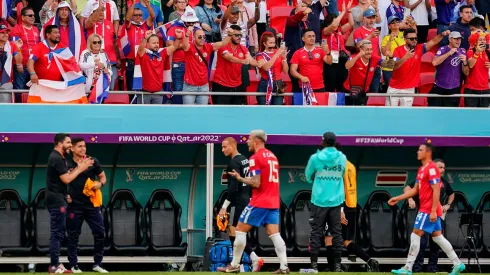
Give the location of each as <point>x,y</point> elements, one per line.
<point>357,74</point>
<point>106,30</point>
<point>311,68</point>
<point>30,37</point>
<point>411,67</point>
<point>179,55</point>
<point>135,35</point>
<point>196,71</point>
<point>152,71</point>
<point>276,67</point>
<point>227,73</point>
<point>362,33</point>
<point>44,68</point>
<point>426,176</point>
<point>265,164</point>
<point>478,77</point>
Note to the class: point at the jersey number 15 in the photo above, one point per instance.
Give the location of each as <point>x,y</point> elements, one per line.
<point>273,171</point>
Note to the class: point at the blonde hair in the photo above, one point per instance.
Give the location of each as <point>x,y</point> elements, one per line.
<point>91,38</point>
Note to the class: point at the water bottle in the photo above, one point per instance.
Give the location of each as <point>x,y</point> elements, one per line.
<point>307,270</point>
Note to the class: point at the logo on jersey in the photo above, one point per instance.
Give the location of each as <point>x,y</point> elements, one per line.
<point>224,177</point>
<point>391,178</point>
<point>252,162</point>
<point>205,55</point>
<point>432,171</point>
<point>240,55</point>
<point>317,55</point>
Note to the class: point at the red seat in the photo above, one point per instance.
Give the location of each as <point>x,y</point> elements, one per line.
<point>427,66</point>
<point>193,3</point>
<point>376,101</point>
<point>24,97</point>
<point>117,99</point>
<point>278,18</point>
<point>420,102</point>
<point>276,3</point>
<point>252,88</point>
<point>426,82</point>
<point>431,34</point>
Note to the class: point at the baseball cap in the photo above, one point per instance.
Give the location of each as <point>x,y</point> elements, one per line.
<point>369,13</point>
<point>4,28</point>
<point>455,35</point>
<point>329,138</point>
<point>392,18</point>
<point>235,9</point>
<point>189,15</point>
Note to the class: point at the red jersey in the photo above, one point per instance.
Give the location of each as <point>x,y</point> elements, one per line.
<point>30,37</point>
<point>311,68</point>
<point>135,35</point>
<point>179,55</point>
<point>478,77</point>
<point>106,30</point>
<point>426,176</point>
<point>362,33</point>
<point>357,74</point>
<point>227,73</point>
<point>152,68</point>
<point>411,67</point>
<point>265,164</point>
<point>276,67</point>
<point>335,41</point>
<point>196,70</point>
<point>44,68</point>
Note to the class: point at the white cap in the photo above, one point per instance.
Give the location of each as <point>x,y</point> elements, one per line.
<point>189,15</point>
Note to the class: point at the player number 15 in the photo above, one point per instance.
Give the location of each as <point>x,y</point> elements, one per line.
<point>273,172</point>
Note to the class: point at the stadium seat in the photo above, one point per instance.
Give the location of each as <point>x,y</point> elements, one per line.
<point>420,102</point>
<point>125,218</point>
<point>484,208</point>
<point>15,233</point>
<point>86,239</point>
<point>193,3</point>
<point>24,97</point>
<point>452,230</point>
<point>376,101</point>
<point>252,88</point>
<point>426,66</point>
<point>40,223</point>
<point>276,3</point>
<point>278,17</point>
<point>383,240</point>
<point>300,225</point>
<point>406,221</point>
<point>260,240</point>
<point>426,82</point>
<point>431,34</point>
<point>164,233</point>
<point>117,99</point>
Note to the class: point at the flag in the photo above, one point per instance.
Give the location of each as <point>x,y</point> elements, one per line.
<point>75,34</point>
<point>5,8</point>
<point>7,70</point>
<point>71,90</point>
<point>162,30</point>
<point>123,42</point>
<point>270,83</point>
<point>100,90</point>
<point>308,94</point>
<point>391,178</point>
<point>335,99</point>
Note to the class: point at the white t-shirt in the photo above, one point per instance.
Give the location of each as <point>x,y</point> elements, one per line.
<point>420,13</point>
<point>263,10</point>
<point>93,5</point>
<point>382,7</point>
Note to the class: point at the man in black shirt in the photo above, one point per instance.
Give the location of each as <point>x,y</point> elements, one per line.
<point>238,194</point>
<point>57,177</point>
<point>446,193</point>
<point>81,208</point>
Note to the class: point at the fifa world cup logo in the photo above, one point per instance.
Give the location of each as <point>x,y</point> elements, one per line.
<point>292,173</point>
<point>129,174</point>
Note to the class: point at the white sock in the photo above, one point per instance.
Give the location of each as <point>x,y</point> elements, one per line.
<point>444,244</point>
<point>280,247</point>
<point>238,247</point>
<point>254,256</point>
<point>414,250</point>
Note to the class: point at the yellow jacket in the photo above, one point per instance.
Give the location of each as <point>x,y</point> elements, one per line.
<point>350,181</point>
<point>95,196</point>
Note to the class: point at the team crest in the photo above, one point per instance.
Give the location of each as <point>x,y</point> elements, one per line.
<point>317,55</point>
<point>240,55</point>
<point>371,69</point>
<point>108,27</point>
<point>205,55</point>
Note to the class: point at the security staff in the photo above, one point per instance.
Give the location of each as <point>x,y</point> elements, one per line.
<point>82,208</point>
<point>326,170</point>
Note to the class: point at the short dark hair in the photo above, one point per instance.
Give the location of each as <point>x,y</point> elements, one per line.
<point>50,28</point>
<point>235,27</point>
<point>463,7</point>
<point>338,146</point>
<point>307,30</point>
<point>60,137</point>
<point>407,31</point>
<point>428,146</point>
<point>76,140</point>
<point>439,160</point>
<point>153,35</point>
<point>477,22</point>
<point>24,10</point>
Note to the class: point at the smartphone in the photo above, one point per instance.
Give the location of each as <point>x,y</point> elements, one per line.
<point>219,16</point>
<point>378,28</point>
<point>283,44</point>
<point>324,41</point>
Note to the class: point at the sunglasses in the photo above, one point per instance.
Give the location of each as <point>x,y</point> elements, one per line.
<point>138,15</point>
<point>237,35</point>
<point>395,22</point>
<point>310,56</point>
<point>97,42</point>
<point>412,38</point>
<point>29,15</point>
<point>200,36</point>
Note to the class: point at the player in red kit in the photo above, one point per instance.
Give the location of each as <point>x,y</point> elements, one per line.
<point>428,187</point>
<point>263,209</point>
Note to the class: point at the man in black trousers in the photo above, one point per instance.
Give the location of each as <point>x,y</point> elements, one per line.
<point>81,208</point>
<point>57,177</point>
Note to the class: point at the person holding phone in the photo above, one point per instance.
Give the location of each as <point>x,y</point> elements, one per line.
<point>407,67</point>
<point>210,14</point>
<point>478,61</point>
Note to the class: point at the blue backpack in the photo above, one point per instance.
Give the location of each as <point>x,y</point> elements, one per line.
<point>221,255</point>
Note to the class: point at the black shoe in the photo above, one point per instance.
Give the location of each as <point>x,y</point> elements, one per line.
<point>337,267</point>
<point>314,266</point>
<point>373,265</point>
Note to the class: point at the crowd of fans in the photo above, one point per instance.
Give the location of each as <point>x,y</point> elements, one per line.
<point>326,48</point>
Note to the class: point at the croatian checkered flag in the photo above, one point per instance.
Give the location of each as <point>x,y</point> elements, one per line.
<point>308,94</point>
